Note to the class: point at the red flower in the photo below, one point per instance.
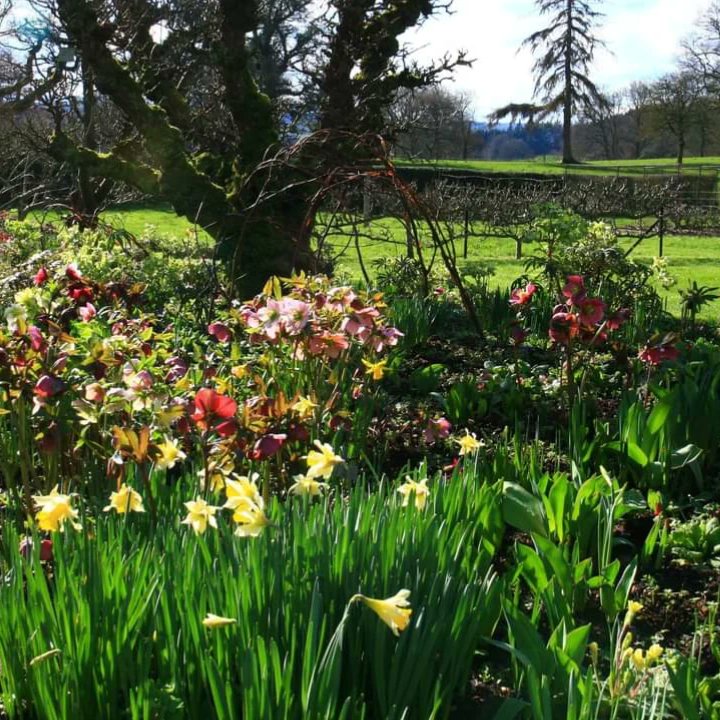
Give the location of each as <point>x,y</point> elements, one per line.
<point>618,319</point>
<point>37,341</point>
<point>220,332</point>
<point>72,272</point>
<point>564,326</point>
<point>574,288</point>
<point>659,354</point>
<point>48,386</point>
<point>211,406</point>
<point>267,446</point>
<point>81,294</point>
<point>46,548</point>
<point>41,276</point>
<point>591,310</point>
<point>523,297</point>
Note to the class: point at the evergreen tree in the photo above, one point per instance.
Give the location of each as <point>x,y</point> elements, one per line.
<point>566,47</point>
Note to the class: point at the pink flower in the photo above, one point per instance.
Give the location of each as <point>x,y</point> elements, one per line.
<point>523,297</point>
<point>296,315</point>
<point>40,277</point>
<point>220,332</point>
<point>518,335</point>
<point>87,312</point>
<point>655,355</point>
<point>437,430</point>
<point>72,272</point>
<point>271,318</point>
<point>618,319</point>
<point>178,369</point>
<point>329,344</point>
<point>574,288</point>
<point>267,446</point>
<point>37,341</point>
<point>94,393</point>
<point>48,386</point>
<point>590,310</point>
<point>564,326</point>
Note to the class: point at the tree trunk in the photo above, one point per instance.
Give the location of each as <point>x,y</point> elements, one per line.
<point>568,158</point>
<point>681,149</point>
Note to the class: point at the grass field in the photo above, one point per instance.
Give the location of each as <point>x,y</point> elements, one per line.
<point>690,258</point>
<point>553,166</point>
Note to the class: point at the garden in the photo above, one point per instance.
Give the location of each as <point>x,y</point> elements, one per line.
<point>338,499</point>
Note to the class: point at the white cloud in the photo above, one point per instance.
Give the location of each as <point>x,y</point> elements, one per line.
<point>643,36</point>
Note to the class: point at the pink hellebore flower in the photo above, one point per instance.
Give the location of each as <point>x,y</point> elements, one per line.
<point>618,319</point>
<point>296,315</point>
<point>48,386</point>
<point>591,310</point>
<point>41,277</point>
<point>564,326</point>
<point>271,318</point>
<point>267,446</point>
<point>87,312</point>
<point>659,354</point>
<point>574,288</point>
<point>220,332</point>
<point>37,341</point>
<point>437,430</point>
<point>72,272</point>
<point>523,297</point>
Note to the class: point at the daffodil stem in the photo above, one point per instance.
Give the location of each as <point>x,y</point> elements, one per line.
<point>145,475</point>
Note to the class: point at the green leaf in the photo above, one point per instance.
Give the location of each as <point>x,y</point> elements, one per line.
<point>523,511</point>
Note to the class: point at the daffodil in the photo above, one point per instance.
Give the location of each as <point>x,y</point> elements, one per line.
<point>217,621</point>
<point>654,652</point>
<point>322,462</point>
<point>304,407</point>
<point>469,443</point>
<point>125,500</point>
<point>395,611</point>
<point>249,517</point>
<point>169,453</point>
<point>419,489</point>
<point>200,515</point>
<point>638,659</point>
<point>634,608</point>
<point>241,489</point>
<point>165,417</point>
<point>376,369</point>
<point>307,486</point>
<point>54,510</point>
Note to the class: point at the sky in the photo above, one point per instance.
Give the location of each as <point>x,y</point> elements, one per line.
<point>643,36</point>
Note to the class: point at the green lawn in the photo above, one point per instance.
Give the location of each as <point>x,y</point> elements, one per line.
<point>691,258</point>
<point>553,166</point>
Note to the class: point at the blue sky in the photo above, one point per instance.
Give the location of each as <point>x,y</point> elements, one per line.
<point>643,35</point>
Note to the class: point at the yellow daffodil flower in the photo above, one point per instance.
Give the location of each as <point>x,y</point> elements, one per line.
<point>304,407</point>
<point>170,454</point>
<point>216,621</point>
<point>376,369</point>
<point>419,489</point>
<point>200,515</point>
<point>654,652</point>
<point>469,443</point>
<point>322,462</point>
<point>634,608</point>
<point>165,417</point>
<point>125,500</point>
<point>250,518</point>
<point>54,510</point>
<point>307,486</point>
<point>638,659</point>
<point>241,489</point>
<point>395,611</point>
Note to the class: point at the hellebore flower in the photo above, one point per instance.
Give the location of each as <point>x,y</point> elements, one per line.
<point>211,406</point>
<point>220,332</point>
<point>564,326</point>
<point>618,319</point>
<point>267,446</point>
<point>574,288</point>
<point>591,311</point>
<point>437,430</point>
<point>41,277</point>
<point>46,549</point>
<point>87,312</point>
<point>48,386</point>
<point>523,296</point>
<point>659,354</point>
<point>125,500</point>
